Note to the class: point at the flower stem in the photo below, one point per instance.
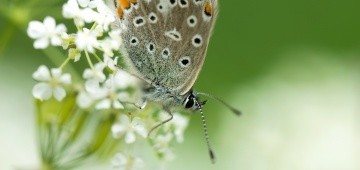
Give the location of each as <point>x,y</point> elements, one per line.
<point>55,56</point>
<point>65,62</point>
<point>89,60</point>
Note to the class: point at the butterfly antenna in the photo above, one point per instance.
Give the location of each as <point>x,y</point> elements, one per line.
<point>211,152</point>
<point>235,111</point>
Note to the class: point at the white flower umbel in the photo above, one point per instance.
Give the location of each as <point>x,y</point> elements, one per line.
<point>124,126</point>
<point>46,32</point>
<point>87,40</point>
<point>50,83</point>
<point>122,162</point>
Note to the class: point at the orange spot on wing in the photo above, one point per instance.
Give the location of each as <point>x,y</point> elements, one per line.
<point>208,9</point>
<point>124,4</point>
<point>120,12</point>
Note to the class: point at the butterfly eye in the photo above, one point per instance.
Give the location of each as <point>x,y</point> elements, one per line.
<point>183,3</point>
<point>165,53</point>
<point>139,21</point>
<point>189,102</point>
<point>153,18</point>
<point>197,40</point>
<point>134,41</point>
<point>191,21</point>
<point>184,61</point>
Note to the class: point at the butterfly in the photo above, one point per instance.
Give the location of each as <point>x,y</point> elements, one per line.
<point>165,43</point>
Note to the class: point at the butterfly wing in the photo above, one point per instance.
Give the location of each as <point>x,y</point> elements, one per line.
<point>166,40</point>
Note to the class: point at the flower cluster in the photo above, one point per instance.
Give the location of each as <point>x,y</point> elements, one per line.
<point>102,88</point>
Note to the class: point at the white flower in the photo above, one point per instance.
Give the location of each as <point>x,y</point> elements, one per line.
<point>50,84</point>
<point>122,79</point>
<point>71,10</point>
<point>94,76</point>
<point>124,127</point>
<point>87,40</point>
<point>84,100</point>
<point>46,32</point>
<point>180,123</point>
<point>74,54</point>
<point>111,43</point>
<point>87,3</point>
<point>106,95</point>
<point>111,63</point>
<point>121,162</point>
<point>105,15</point>
<point>177,125</point>
<point>108,45</point>
<point>162,146</point>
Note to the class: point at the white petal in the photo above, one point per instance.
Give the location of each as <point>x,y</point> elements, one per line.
<point>103,104</point>
<point>83,3</point>
<point>130,138</point>
<point>123,96</point>
<point>42,74</point>
<point>59,93</point>
<point>49,23</point>
<point>41,43</point>
<point>36,30</point>
<point>117,105</point>
<point>70,9</point>
<point>124,120</point>
<point>141,130</point>
<point>92,86</point>
<point>60,29</point>
<point>56,41</point>
<point>56,72</point>
<point>84,100</point>
<point>88,73</point>
<point>65,79</point>
<point>117,130</point>
<point>42,91</point>
<point>119,160</point>
<point>139,127</point>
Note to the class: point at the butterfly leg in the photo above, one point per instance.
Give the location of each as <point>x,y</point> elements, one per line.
<point>163,122</point>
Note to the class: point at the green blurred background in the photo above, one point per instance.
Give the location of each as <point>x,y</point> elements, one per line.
<point>292,67</point>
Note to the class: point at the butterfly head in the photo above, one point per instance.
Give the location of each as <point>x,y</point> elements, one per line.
<point>192,102</point>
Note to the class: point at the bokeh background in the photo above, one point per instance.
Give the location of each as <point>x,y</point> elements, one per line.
<point>292,67</point>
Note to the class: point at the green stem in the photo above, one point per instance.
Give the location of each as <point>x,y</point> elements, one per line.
<point>89,60</point>
<point>65,62</point>
<point>56,57</point>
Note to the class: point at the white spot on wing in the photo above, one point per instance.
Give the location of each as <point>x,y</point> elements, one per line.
<point>191,21</point>
<point>174,35</point>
